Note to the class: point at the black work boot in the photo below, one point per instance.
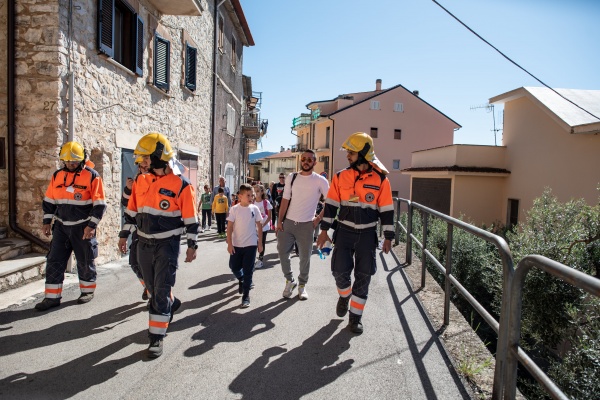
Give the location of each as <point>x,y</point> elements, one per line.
<point>47,304</point>
<point>354,324</point>
<point>85,298</point>
<point>156,347</point>
<point>342,306</point>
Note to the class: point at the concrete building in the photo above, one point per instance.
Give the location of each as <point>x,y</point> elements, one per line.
<point>548,142</point>
<point>399,121</point>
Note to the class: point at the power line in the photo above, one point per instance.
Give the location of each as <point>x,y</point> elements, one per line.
<point>509,59</point>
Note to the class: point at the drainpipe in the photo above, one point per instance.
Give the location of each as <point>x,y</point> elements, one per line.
<point>214,93</point>
<point>10,111</point>
<point>331,144</point>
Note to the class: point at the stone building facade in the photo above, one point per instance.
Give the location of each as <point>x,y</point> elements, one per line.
<point>230,100</point>
<point>116,97</point>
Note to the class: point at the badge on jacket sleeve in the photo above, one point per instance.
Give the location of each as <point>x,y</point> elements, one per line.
<point>369,197</point>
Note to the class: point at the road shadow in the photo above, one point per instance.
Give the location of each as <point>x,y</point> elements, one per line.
<point>296,372</point>
<point>67,331</point>
<point>418,355</point>
<point>75,376</point>
<point>225,326</point>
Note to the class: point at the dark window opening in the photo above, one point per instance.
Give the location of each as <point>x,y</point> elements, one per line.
<point>398,134</point>
<point>373,132</point>
<point>121,34</point>
<point>512,213</point>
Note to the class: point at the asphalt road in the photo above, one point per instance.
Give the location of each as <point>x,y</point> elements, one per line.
<point>276,349</point>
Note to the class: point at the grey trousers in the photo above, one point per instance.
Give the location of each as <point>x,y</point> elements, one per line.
<point>302,234</point>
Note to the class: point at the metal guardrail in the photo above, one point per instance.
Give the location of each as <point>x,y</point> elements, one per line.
<point>508,328</point>
<point>515,353</point>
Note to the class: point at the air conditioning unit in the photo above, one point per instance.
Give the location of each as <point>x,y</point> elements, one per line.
<point>321,158</point>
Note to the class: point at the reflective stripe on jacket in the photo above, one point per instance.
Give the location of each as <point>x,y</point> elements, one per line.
<point>362,199</point>
<point>168,206</point>
<point>75,198</point>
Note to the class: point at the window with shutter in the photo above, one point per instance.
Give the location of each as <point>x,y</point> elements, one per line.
<point>374,105</point>
<point>121,34</point>
<point>230,120</point>
<point>190,66</point>
<point>233,53</point>
<point>162,57</point>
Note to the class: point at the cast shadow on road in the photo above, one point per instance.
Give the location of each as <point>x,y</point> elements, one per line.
<point>417,354</point>
<point>227,326</point>
<point>75,376</point>
<point>296,372</point>
<point>65,331</point>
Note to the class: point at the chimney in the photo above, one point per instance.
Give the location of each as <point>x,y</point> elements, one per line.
<point>282,149</point>
<point>416,93</point>
<point>378,85</point>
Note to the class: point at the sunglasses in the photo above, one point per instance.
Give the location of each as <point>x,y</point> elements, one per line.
<point>282,177</point>
<point>305,159</point>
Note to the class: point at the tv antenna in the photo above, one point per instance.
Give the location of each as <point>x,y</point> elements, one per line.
<point>489,108</point>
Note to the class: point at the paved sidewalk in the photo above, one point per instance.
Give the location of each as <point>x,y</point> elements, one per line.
<point>276,349</point>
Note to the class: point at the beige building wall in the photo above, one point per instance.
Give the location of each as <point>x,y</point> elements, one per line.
<point>542,154</point>
<point>113,106</point>
<point>478,198</point>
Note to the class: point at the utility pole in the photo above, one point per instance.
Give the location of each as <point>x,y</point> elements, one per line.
<point>489,108</point>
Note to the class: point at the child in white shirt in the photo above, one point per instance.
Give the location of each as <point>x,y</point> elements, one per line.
<point>244,236</point>
<point>265,207</point>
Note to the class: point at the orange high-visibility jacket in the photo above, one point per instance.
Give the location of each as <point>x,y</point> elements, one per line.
<point>142,183</point>
<point>167,209</point>
<point>75,198</point>
<point>362,199</point>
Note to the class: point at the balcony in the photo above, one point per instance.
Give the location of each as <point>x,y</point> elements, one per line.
<point>253,127</point>
<point>302,120</point>
<point>315,114</point>
<point>299,148</point>
<point>190,8</point>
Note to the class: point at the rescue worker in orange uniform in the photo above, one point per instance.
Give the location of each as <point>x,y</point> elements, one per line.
<point>165,212</point>
<point>75,202</point>
<point>362,193</point>
<point>143,180</point>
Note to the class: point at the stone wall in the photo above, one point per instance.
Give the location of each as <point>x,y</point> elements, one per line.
<point>228,148</point>
<point>110,101</point>
<point>3,118</point>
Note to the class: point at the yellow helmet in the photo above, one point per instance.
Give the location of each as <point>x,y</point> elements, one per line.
<point>72,151</point>
<point>154,144</point>
<point>360,143</point>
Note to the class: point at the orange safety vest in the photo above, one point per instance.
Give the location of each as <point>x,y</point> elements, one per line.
<point>74,198</point>
<point>166,209</point>
<point>142,183</point>
<point>362,199</point>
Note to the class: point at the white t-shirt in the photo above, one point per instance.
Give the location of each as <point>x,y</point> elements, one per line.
<point>264,213</point>
<point>244,225</point>
<point>305,193</point>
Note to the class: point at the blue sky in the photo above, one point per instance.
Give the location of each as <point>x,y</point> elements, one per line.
<point>317,49</point>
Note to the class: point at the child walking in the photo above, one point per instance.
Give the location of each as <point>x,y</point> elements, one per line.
<point>206,207</point>
<point>244,236</point>
<point>265,207</point>
<point>220,207</point>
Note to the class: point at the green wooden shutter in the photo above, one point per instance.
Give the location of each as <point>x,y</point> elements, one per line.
<point>106,13</point>
<point>162,56</point>
<point>139,47</point>
<point>190,66</point>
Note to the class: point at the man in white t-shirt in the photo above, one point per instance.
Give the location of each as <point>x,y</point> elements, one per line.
<point>297,221</point>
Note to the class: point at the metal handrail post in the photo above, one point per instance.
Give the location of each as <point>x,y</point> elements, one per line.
<point>397,222</point>
<point>424,253</point>
<point>409,230</point>
<point>448,286</point>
